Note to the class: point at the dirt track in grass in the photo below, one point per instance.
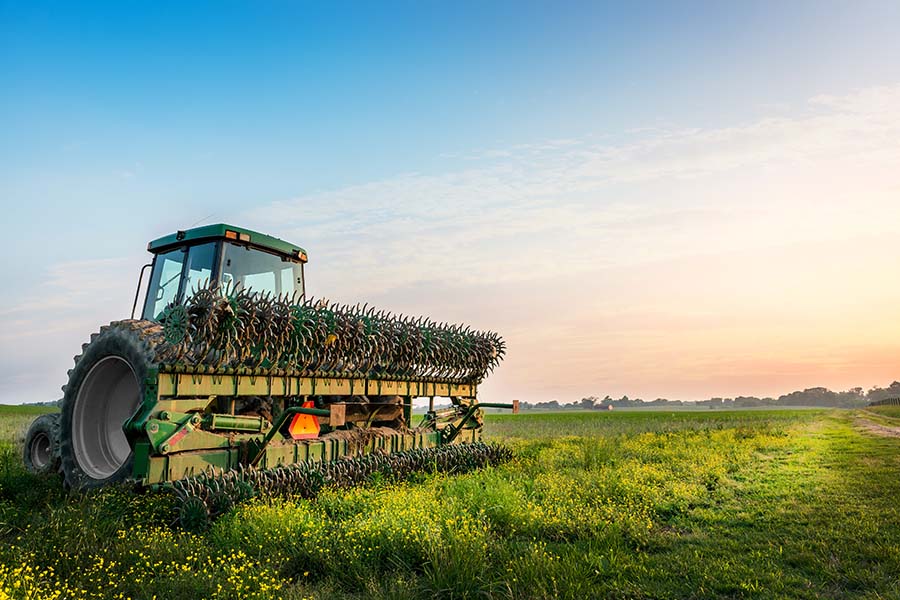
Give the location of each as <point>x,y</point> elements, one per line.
<point>877,429</point>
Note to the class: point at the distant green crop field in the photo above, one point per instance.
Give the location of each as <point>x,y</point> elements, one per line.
<point>14,422</point>
<point>724,504</point>
<point>591,423</point>
<point>886,411</point>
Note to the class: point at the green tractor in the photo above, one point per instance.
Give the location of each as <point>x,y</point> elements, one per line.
<point>230,367</point>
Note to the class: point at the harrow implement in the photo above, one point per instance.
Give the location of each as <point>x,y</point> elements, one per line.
<point>231,368</point>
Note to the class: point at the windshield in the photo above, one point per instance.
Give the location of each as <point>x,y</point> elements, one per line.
<point>260,271</point>
<point>199,267</point>
<point>164,282</point>
<point>169,269</point>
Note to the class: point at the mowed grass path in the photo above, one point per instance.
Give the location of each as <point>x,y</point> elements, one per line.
<point>738,504</point>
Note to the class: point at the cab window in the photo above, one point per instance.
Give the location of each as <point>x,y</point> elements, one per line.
<point>164,283</point>
<point>259,271</point>
<point>199,267</point>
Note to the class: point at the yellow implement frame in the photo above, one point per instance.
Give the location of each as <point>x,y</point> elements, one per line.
<point>173,385</point>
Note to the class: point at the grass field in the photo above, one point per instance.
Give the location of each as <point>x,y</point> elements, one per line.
<point>892,411</point>
<point>742,504</point>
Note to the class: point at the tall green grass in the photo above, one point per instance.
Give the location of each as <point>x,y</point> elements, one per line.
<point>622,505</point>
<point>593,424</point>
<point>890,411</point>
<point>14,421</point>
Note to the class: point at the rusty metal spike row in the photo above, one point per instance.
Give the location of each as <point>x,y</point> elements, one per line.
<point>209,495</point>
<point>231,327</point>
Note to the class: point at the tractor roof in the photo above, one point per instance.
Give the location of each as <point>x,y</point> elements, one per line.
<point>230,232</point>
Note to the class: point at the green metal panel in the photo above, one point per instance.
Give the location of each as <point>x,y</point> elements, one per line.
<point>277,455</point>
<point>315,451</point>
<point>189,464</point>
<point>217,231</point>
<point>141,464</point>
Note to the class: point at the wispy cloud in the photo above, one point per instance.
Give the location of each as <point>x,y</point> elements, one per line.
<point>70,284</point>
<point>653,261</point>
<point>45,326</point>
<point>571,205</point>
<point>560,227</point>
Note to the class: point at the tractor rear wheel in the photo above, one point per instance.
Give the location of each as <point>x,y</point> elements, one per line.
<point>41,450</point>
<point>105,389</point>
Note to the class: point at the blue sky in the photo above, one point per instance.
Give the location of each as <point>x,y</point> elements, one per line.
<point>538,144</point>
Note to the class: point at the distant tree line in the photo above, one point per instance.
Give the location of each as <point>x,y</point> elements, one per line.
<point>817,396</point>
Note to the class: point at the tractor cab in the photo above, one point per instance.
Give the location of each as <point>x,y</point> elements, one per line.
<point>220,255</point>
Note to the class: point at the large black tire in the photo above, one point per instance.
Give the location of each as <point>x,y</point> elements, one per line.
<point>105,388</point>
<point>41,450</point>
